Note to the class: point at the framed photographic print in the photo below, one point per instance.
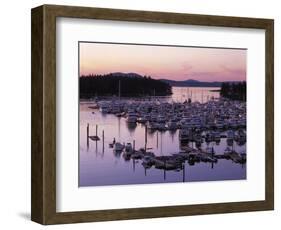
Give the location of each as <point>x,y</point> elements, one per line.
<point>141,114</point>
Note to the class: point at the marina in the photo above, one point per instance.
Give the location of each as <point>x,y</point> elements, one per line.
<point>193,135</point>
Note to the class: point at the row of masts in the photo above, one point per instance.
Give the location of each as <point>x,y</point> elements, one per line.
<point>188,94</point>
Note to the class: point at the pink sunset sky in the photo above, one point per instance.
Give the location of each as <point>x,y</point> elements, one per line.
<point>166,62</point>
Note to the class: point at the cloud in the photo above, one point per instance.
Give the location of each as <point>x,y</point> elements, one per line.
<point>234,71</point>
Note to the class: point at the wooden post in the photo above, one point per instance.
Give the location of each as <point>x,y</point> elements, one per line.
<point>145,138</point>
<point>134,164</point>
<point>134,145</point>
<point>145,133</point>
<point>183,172</point>
<point>212,157</point>
<point>161,144</point>
<point>96,130</point>
<point>102,140</point>
<point>157,139</point>
<point>164,169</point>
<point>88,135</point>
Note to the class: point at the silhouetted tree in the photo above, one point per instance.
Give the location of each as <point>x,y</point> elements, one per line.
<point>108,85</point>
<point>234,91</point>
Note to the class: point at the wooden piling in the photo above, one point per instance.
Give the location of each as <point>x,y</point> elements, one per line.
<point>88,135</point>
<point>164,169</point>
<point>145,138</point>
<point>134,164</point>
<point>213,157</point>
<point>145,133</point>
<point>183,172</point>
<point>157,139</point>
<point>134,145</point>
<point>161,144</point>
<point>102,140</point>
<point>96,147</point>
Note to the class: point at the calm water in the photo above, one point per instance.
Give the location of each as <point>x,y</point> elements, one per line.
<point>200,94</point>
<point>100,166</point>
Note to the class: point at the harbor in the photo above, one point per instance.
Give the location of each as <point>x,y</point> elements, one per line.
<point>193,135</point>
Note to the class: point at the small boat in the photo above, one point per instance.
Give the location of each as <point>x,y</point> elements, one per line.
<point>94,138</point>
<point>147,161</point>
<point>230,137</point>
<point>116,109</point>
<point>132,117</point>
<point>243,156</point>
<point>161,119</point>
<point>241,136</point>
<point>184,135</point>
<point>230,134</point>
<point>118,147</point>
<point>210,150</point>
<point>93,107</point>
<point>217,136</point>
<point>161,126</point>
<point>143,119</point>
<point>128,148</point>
<point>172,125</point>
<point>104,107</point>
<point>152,126</point>
<point>137,154</point>
<point>227,151</point>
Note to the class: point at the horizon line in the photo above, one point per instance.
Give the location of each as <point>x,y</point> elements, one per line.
<point>189,79</point>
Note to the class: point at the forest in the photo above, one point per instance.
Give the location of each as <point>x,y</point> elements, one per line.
<point>234,91</point>
<point>129,85</point>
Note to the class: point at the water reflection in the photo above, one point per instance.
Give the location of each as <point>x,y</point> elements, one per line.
<point>131,127</point>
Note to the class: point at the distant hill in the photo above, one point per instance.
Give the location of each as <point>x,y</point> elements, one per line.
<point>120,74</point>
<point>131,85</point>
<point>192,83</point>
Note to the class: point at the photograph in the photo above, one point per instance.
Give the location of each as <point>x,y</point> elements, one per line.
<point>154,113</point>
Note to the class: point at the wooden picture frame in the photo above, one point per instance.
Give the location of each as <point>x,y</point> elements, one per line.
<point>43,207</point>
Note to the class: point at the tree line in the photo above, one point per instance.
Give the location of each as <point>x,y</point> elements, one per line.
<point>234,91</point>
<point>109,84</point>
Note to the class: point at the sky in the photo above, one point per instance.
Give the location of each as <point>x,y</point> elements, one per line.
<point>164,62</point>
